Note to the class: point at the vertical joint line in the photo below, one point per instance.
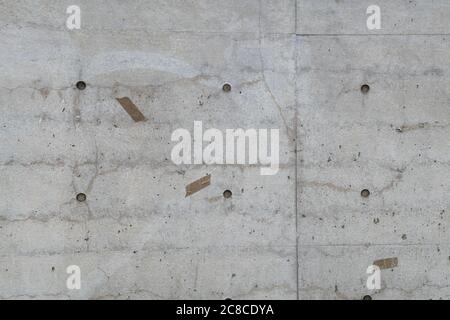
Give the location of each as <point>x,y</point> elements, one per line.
<point>295,16</point>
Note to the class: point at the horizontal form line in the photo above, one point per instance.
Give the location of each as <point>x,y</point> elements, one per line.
<point>369,35</point>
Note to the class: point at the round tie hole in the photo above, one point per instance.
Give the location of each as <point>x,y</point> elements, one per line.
<point>365,88</point>
<point>227,194</point>
<point>81,197</point>
<point>226,87</point>
<point>367,297</point>
<point>365,193</point>
<point>81,85</point>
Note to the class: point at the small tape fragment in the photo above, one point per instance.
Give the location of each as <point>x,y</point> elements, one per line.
<point>198,185</point>
<point>131,109</point>
<point>388,263</point>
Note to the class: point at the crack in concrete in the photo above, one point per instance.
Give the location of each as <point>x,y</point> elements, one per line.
<point>290,132</point>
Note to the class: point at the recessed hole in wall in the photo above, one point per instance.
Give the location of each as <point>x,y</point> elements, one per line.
<point>81,197</point>
<point>81,85</point>
<point>228,299</point>
<point>367,297</point>
<point>227,194</point>
<point>365,193</point>
<point>226,87</point>
<point>365,88</point>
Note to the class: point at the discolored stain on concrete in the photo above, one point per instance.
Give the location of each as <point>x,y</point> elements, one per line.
<point>131,109</point>
<point>198,185</point>
<point>388,263</point>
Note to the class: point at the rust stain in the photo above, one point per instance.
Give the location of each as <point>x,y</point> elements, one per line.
<point>198,185</point>
<point>131,109</point>
<point>412,127</point>
<point>214,199</point>
<point>44,92</point>
<point>388,263</point>
<point>327,185</point>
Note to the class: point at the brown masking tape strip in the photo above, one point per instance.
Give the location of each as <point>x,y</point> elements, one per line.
<point>386,263</point>
<point>131,109</point>
<point>198,185</point>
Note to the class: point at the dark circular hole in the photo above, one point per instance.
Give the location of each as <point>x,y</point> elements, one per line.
<point>365,193</point>
<point>81,197</point>
<point>81,85</point>
<point>228,299</point>
<point>367,297</point>
<point>365,88</point>
<point>226,87</point>
<point>227,194</point>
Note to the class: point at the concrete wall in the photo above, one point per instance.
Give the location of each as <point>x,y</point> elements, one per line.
<point>297,66</point>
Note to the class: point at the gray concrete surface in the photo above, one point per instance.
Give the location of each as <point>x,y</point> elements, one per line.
<point>297,66</point>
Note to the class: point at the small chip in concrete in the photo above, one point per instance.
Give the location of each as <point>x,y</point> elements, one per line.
<point>198,185</point>
<point>365,193</point>
<point>226,87</point>
<point>388,263</point>
<point>131,109</point>
<point>81,197</point>
<point>227,194</point>
<point>81,85</point>
<point>365,88</point>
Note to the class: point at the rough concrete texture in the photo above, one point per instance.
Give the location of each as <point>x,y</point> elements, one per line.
<point>304,233</point>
